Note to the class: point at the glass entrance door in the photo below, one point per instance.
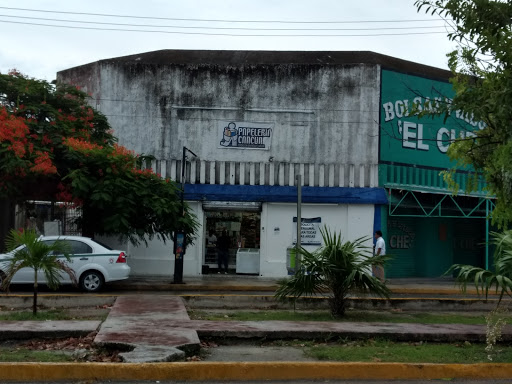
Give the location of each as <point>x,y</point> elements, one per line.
<point>242,229</point>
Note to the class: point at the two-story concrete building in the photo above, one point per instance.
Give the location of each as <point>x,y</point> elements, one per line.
<point>256,120</point>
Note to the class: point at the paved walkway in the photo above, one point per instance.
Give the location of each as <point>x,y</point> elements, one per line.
<point>440,286</point>
<point>159,329</point>
<point>22,330</point>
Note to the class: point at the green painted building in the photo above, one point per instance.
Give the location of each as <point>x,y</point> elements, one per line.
<point>428,227</point>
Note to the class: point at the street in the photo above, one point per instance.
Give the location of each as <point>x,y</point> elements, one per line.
<point>455,381</point>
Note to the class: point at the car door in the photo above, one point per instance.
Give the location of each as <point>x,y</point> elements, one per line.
<point>80,255</point>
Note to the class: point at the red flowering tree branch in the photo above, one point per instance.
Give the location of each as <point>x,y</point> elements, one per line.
<point>54,146</point>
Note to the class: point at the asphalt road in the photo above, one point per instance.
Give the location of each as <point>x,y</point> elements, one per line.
<point>278,382</point>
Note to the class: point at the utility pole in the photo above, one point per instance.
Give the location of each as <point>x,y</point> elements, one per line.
<point>180,235</point>
<point>299,224</point>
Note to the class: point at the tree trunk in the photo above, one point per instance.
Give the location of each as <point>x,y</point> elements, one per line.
<point>34,304</point>
<point>337,303</point>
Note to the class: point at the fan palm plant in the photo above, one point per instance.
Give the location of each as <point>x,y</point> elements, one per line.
<point>27,251</point>
<point>484,280</point>
<point>335,268</point>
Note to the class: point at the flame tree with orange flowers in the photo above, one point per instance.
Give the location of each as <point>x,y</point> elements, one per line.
<point>55,147</point>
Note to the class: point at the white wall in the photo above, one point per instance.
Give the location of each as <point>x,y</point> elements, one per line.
<point>352,221</point>
<point>157,257</point>
<point>277,231</point>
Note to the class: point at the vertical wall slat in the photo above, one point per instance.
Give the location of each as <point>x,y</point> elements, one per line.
<point>291,176</point>
<point>173,170</point>
<point>271,174</point>
<point>342,175</point>
<point>241,179</point>
<point>262,174</point>
<point>212,172</point>
<point>232,173</point>
<point>193,172</point>
<point>351,175</point>
<point>331,175</point>
<point>202,172</point>
<point>321,175</point>
<point>362,172</point>
<point>222,178</point>
<point>301,172</point>
<point>311,175</point>
<point>373,170</point>
<point>252,174</point>
<point>163,168</point>
<point>281,173</point>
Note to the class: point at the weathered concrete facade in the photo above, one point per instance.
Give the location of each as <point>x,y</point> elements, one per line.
<point>323,114</point>
<point>323,109</point>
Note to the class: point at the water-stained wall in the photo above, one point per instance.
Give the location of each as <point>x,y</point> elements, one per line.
<point>321,113</point>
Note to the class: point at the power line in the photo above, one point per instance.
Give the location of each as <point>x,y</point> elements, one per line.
<point>220,28</point>
<point>220,34</point>
<point>218,20</point>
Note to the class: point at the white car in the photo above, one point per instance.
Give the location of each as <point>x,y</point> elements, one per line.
<point>94,264</point>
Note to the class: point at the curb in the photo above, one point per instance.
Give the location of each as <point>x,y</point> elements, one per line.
<point>209,371</point>
<point>192,287</point>
<point>271,288</point>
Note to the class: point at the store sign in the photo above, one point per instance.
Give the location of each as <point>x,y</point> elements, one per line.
<point>310,231</point>
<point>407,139</point>
<point>401,235</point>
<point>244,135</point>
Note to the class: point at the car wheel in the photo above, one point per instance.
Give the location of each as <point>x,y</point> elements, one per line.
<point>91,281</point>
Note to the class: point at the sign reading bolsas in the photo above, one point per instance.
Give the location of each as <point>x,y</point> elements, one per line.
<point>407,139</point>
<point>245,135</point>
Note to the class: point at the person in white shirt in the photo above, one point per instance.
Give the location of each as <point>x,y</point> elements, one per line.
<point>212,239</point>
<point>380,250</point>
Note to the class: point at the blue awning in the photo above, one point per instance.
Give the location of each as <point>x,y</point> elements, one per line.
<point>285,194</point>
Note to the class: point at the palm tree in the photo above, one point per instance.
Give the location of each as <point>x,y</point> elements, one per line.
<point>337,267</point>
<point>484,279</point>
<point>29,252</point>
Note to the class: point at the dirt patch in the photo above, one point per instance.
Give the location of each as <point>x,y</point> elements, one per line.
<point>81,348</point>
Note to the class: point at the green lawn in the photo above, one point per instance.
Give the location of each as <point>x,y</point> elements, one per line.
<point>388,351</point>
<point>355,316</point>
<point>52,314</point>
<point>19,354</point>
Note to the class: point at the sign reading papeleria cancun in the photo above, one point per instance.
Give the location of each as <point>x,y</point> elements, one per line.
<point>407,139</point>
<point>244,135</point>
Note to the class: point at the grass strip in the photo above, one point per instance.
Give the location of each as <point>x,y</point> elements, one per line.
<point>352,316</point>
<point>17,354</point>
<point>422,352</point>
<point>53,314</point>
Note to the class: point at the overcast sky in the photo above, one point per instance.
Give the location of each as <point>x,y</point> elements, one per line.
<point>41,51</point>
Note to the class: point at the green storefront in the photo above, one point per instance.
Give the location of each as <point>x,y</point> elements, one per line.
<point>426,226</point>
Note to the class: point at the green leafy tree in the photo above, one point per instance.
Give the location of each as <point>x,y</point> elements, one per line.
<point>29,252</point>
<point>336,268</point>
<point>482,79</point>
<point>55,147</point>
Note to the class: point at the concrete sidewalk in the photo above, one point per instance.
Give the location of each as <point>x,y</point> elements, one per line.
<point>158,329</point>
<point>441,286</point>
